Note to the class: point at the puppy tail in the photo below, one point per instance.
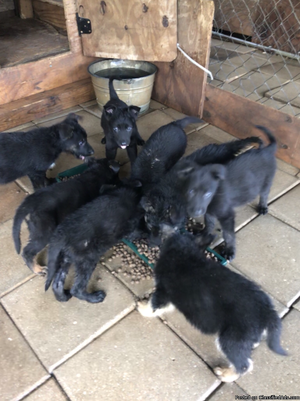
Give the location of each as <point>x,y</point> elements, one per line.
<point>53,253</point>
<point>188,120</point>
<point>112,92</point>
<point>273,334</point>
<point>23,210</point>
<point>269,134</point>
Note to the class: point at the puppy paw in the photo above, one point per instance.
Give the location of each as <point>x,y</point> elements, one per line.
<point>228,253</point>
<point>40,270</point>
<point>227,374</point>
<point>95,297</point>
<point>140,142</point>
<point>103,141</point>
<point>145,309</point>
<point>63,296</point>
<point>262,209</point>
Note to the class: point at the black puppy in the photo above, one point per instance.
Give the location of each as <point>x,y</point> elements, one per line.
<point>162,150</point>
<point>32,153</point>
<point>85,235</point>
<point>119,126</point>
<point>215,300</point>
<point>215,190</point>
<point>164,204</point>
<point>48,207</point>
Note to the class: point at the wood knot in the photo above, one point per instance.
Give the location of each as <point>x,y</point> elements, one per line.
<point>165,21</point>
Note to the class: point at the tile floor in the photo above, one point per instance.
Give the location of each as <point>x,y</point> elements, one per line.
<point>79,351</point>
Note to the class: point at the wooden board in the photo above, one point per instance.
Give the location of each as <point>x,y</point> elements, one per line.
<point>37,106</point>
<point>132,29</point>
<point>25,40</point>
<point>235,16</point>
<point>238,116</point>
<point>50,13</point>
<point>277,25</point>
<point>24,8</point>
<point>180,84</point>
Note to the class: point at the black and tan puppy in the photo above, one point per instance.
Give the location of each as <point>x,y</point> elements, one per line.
<point>85,235</point>
<point>215,190</point>
<point>119,125</point>
<point>164,203</point>
<point>161,151</point>
<point>32,153</point>
<point>47,207</point>
<point>215,300</point>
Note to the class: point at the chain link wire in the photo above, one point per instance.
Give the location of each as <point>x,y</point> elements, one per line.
<point>255,51</point>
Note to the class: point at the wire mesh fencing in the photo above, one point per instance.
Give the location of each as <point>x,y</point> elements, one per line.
<point>255,51</point>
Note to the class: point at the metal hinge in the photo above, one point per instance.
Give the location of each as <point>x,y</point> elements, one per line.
<point>84,25</point>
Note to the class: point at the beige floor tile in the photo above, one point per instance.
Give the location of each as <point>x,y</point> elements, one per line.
<point>258,83</point>
<point>286,93</point>
<point>25,184</point>
<point>48,391</point>
<point>284,108</point>
<point>149,123</point>
<point>287,208</point>
<point>227,392</point>
<point>138,359</point>
<point>154,105</point>
<point>20,369</point>
<point>248,61</point>
<point>268,252</point>
<point>197,140</point>
<point>217,134</point>
<point>53,116</point>
<point>283,70</point>
<point>13,270</point>
<point>89,122</point>
<point>239,91</point>
<point>57,330</point>
<point>11,197</point>
<point>231,46</point>
<point>272,373</point>
<point>297,305</point>
<point>227,72</point>
<point>176,115</point>
<point>287,168</point>
<point>94,109</point>
<point>282,183</point>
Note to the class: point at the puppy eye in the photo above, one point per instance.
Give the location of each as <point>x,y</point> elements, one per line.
<point>81,143</point>
<point>129,129</point>
<point>191,192</point>
<point>116,129</point>
<point>207,195</point>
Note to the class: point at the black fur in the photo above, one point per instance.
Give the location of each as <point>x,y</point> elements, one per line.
<point>215,190</point>
<point>119,125</point>
<point>215,300</point>
<point>162,150</point>
<point>48,207</point>
<point>85,235</point>
<point>32,153</point>
<point>164,204</point>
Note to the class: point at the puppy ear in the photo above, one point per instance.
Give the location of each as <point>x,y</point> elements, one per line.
<point>134,111</point>
<point>146,205</point>
<point>65,131</point>
<point>109,110</point>
<point>218,171</point>
<point>114,165</point>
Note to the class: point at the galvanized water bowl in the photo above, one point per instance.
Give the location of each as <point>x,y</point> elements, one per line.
<point>133,84</point>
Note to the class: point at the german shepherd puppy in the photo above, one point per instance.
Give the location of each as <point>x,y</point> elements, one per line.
<point>48,207</point>
<point>85,235</point>
<point>119,125</point>
<point>163,202</point>
<point>162,150</point>
<point>32,153</point>
<point>215,300</point>
<point>214,190</point>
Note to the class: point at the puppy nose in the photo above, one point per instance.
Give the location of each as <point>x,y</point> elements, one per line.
<point>123,143</point>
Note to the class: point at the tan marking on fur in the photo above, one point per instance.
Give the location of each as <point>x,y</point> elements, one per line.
<point>38,269</point>
<point>227,374</point>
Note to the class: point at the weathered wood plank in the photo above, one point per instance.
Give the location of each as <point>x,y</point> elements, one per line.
<point>180,84</point>
<point>50,13</point>
<point>131,29</point>
<point>238,116</point>
<point>42,104</point>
